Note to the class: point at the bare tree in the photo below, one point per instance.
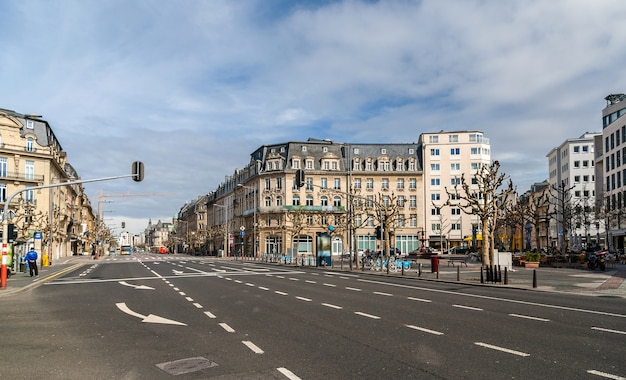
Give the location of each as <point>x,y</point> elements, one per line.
<point>560,199</point>
<point>480,197</point>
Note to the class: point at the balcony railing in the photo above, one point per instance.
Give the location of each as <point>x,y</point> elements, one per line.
<point>26,177</point>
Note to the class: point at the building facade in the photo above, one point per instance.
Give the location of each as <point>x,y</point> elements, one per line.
<point>572,178</point>
<point>611,156</point>
<point>60,221</point>
<point>446,157</point>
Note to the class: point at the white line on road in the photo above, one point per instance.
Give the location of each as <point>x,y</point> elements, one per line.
<point>263,288</point>
<point>508,351</point>
<point>607,375</point>
<point>384,294</point>
<point>332,306</point>
<point>189,299</point>
<point>366,315</point>
<point>209,314</point>
<point>468,307</point>
<point>304,299</point>
<point>182,293</point>
<point>197,305</point>
<point>418,299</point>
<point>280,293</point>
<point>331,285</point>
<point>226,327</point>
<point>424,330</point>
<point>529,317</point>
<point>294,279</point>
<point>310,282</point>
<point>249,284</point>
<point>288,374</point>
<point>252,346</point>
<point>609,330</point>
<point>353,289</point>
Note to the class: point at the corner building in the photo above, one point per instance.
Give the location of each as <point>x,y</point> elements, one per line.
<point>346,187</point>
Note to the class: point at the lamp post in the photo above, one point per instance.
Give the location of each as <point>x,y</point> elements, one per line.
<point>225,228</point>
<point>253,219</point>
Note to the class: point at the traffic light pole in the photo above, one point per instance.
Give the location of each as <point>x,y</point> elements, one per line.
<point>5,219</point>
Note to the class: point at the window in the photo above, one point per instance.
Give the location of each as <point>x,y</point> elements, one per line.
<point>455,167</point>
<point>268,201</point>
<point>337,201</point>
<point>309,164</point>
<point>325,149</point>
<point>295,164</point>
<point>303,148</point>
<point>576,149</point>
<point>453,138</point>
<point>309,184</point>
<point>268,183</point>
<point>3,167</point>
<point>455,227</point>
<point>435,167</point>
<point>368,166</point>
<point>357,165</point>
<point>29,196</point>
<point>455,211</point>
<point>435,197</point>
<point>3,192</point>
<point>435,182</point>
<point>401,201</point>
<point>400,183</point>
<point>576,178</point>
<point>30,169</point>
<point>324,183</point>
<point>279,183</point>
<point>356,150</point>
<point>324,200</point>
<point>576,164</point>
<point>433,139</point>
<point>369,183</point>
<point>413,201</point>
<point>400,166</point>
<point>334,165</point>
<point>455,151</point>
<point>385,184</point>
<point>29,144</point>
<point>30,124</point>
<point>337,184</point>
<point>279,201</point>
<point>326,165</point>
<point>383,151</point>
<point>296,200</point>
<point>309,200</point>
<point>474,151</point>
<point>434,152</point>
<point>435,211</point>
<point>412,183</point>
<point>357,183</point>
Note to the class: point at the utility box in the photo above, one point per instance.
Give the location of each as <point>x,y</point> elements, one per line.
<point>504,259</point>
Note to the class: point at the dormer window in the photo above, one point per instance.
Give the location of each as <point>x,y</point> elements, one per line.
<point>383,151</point>
<point>30,124</point>
<point>325,149</point>
<point>303,148</point>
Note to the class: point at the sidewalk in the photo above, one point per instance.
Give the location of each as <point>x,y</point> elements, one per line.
<point>20,281</point>
<point>611,282</point>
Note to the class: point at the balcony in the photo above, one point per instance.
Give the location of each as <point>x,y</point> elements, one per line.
<point>22,177</point>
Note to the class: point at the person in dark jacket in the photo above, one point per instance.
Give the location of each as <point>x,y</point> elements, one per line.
<point>31,257</point>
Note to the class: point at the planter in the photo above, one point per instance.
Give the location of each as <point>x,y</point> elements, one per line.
<point>531,264</point>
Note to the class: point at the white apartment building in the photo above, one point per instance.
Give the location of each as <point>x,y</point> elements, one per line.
<point>446,156</point>
<point>571,167</point>
<point>612,153</point>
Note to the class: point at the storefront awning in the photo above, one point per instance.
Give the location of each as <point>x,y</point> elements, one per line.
<point>470,238</point>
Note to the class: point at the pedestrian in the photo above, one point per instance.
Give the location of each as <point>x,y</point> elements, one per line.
<point>31,257</point>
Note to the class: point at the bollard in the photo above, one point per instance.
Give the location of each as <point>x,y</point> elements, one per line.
<point>482,280</point>
<point>419,270</point>
<point>534,278</point>
<point>437,273</point>
<point>506,276</point>
<point>458,273</point>
<point>499,274</point>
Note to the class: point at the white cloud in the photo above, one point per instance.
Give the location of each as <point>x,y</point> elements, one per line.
<point>193,89</point>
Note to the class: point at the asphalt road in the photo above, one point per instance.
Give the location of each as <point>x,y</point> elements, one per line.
<point>169,316</point>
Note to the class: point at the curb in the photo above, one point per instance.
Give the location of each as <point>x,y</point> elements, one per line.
<point>52,276</point>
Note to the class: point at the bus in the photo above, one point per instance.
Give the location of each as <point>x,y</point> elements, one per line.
<point>126,250</point>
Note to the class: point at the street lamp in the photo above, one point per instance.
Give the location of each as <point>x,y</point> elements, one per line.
<point>225,227</point>
<point>253,218</point>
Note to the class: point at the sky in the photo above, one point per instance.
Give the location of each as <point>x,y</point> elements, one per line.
<point>191,88</point>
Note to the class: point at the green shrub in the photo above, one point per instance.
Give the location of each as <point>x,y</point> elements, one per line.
<point>533,256</point>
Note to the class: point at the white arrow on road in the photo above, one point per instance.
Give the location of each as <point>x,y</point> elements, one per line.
<point>139,287</point>
<point>177,271</point>
<point>148,319</point>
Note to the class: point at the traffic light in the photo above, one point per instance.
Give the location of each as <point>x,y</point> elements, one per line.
<point>12,232</point>
<point>379,232</point>
<point>137,171</point>
<point>299,181</point>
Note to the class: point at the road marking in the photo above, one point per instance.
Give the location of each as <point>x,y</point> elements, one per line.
<point>288,374</point>
<point>604,374</point>
<point>182,293</point>
<point>384,294</point>
<point>366,315</point>
<point>226,327</point>
<point>310,282</point>
<point>252,346</point>
<point>353,289</point>
<point>508,300</point>
<point>508,351</point>
<point>263,288</point>
<point>529,317</point>
<point>418,299</point>
<point>197,305</point>
<point>238,281</point>
<point>294,279</point>
<point>189,299</point>
<point>210,315</point>
<point>151,318</point>
<point>424,330</point>
<point>468,307</point>
<point>331,285</point>
<point>332,306</point>
<point>304,299</point>
<point>138,287</point>
<point>281,293</point>
<point>609,330</point>
<point>249,284</point>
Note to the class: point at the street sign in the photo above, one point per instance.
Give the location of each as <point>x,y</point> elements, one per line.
<point>37,235</point>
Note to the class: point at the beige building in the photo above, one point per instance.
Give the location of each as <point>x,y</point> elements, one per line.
<point>446,157</point>
<point>58,220</point>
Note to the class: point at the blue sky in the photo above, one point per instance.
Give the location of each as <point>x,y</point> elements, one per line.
<point>191,88</point>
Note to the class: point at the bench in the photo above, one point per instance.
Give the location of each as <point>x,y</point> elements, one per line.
<point>461,259</point>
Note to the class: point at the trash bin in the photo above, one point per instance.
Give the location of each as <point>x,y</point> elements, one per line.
<point>434,263</point>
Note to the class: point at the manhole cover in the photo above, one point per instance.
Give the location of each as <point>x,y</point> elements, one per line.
<point>179,367</point>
